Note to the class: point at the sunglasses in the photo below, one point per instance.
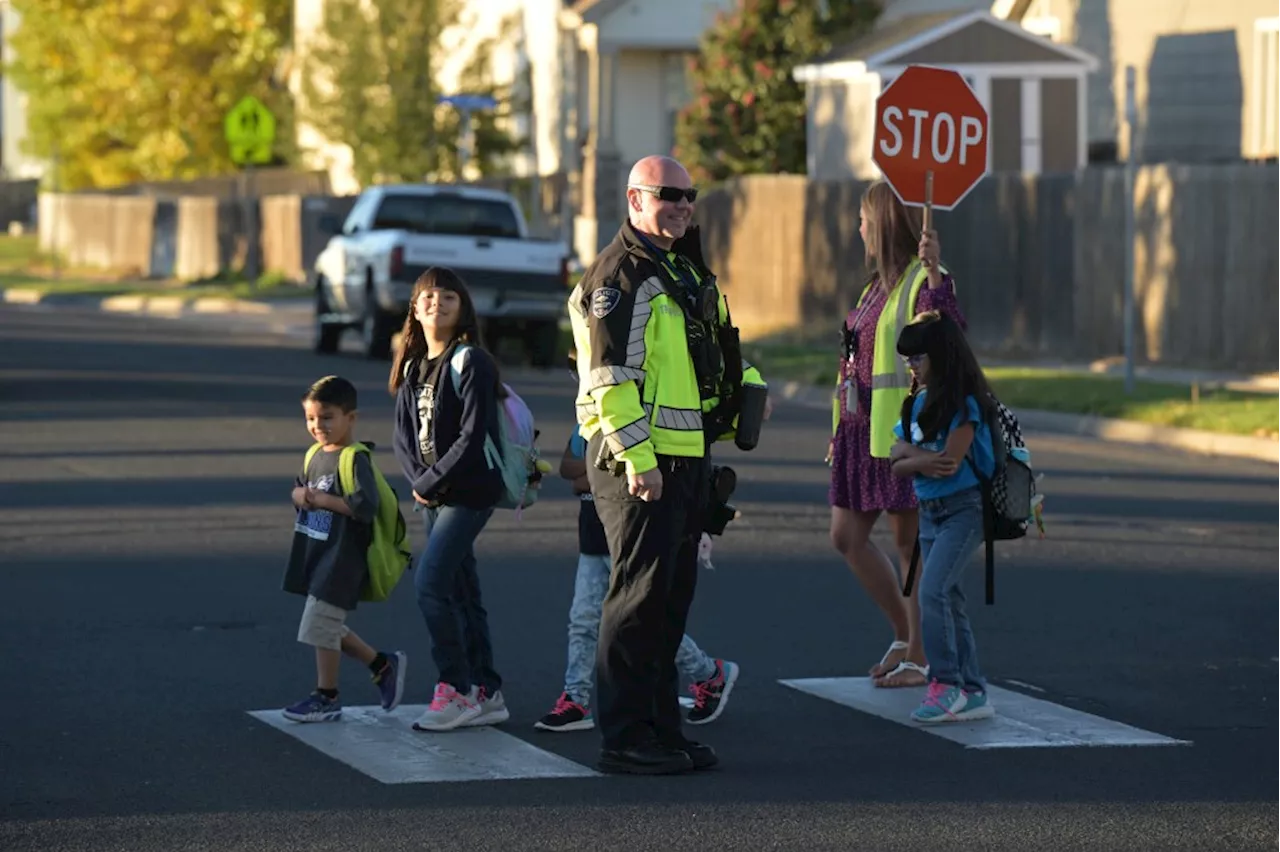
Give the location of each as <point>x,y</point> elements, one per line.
<point>912,360</point>
<point>668,193</point>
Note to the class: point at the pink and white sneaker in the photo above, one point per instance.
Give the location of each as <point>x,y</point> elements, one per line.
<point>449,709</point>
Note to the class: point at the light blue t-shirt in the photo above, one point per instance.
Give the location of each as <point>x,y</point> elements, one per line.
<point>577,444</point>
<point>929,488</point>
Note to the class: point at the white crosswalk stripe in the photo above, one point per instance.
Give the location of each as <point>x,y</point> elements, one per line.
<point>385,747</point>
<point>1020,721</point>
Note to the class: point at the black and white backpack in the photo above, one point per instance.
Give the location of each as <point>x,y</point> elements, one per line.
<point>1009,496</point>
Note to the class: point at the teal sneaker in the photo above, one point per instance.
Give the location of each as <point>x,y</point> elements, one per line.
<point>942,703</point>
<point>976,706</point>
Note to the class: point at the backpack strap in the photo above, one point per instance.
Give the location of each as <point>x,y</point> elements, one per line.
<point>456,363</point>
<point>492,453</point>
<point>347,468</point>
<point>992,420</point>
<point>306,462</point>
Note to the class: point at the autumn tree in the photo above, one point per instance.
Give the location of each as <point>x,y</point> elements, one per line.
<point>370,82</point>
<point>747,113</point>
<point>120,91</point>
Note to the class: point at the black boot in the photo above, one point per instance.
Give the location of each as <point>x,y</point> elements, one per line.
<point>650,758</point>
<point>703,756</point>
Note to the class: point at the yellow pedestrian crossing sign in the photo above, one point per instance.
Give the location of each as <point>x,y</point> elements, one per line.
<point>250,129</point>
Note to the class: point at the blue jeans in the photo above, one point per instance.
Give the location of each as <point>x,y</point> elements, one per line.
<point>950,531</point>
<point>589,589</point>
<point>449,597</point>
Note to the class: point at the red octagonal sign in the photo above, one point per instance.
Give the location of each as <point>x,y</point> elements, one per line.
<point>929,120</point>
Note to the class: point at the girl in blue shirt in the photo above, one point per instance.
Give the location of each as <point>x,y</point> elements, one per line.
<point>946,447</point>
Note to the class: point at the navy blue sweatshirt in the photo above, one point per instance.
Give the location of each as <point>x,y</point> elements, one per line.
<point>462,418</point>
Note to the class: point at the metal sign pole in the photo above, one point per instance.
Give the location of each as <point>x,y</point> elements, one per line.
<point>464,144</point>
<point>251,225</point>
<point>1130,296</point>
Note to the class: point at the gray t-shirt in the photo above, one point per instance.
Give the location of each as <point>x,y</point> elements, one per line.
<point>329,555</point>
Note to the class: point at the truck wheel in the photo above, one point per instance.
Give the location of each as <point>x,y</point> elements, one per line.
<point>376,330</point>
<point>542,340</point>
<point>327,335</point>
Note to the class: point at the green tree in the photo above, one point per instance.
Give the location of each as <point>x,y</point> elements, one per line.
<point>370,83</point>
<point>747,113</point>
<point>126,90</point>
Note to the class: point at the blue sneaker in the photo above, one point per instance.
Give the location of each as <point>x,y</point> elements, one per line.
<point>976,706</point>
<point>314,708</point>
<point>390,681</point>
<point>942,703</point>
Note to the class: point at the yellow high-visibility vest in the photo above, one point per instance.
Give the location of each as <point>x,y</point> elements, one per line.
<point>890,380</point>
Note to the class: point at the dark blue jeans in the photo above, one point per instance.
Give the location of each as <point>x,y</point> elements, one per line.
<point>449,597</point>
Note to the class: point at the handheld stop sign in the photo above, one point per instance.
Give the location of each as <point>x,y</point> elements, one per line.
<point>931,138</point>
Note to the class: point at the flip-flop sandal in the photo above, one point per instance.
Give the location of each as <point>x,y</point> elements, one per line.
<point>898,645</point>
<point>902,668</point>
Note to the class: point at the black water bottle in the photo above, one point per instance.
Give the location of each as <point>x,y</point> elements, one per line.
<point>751,416</point>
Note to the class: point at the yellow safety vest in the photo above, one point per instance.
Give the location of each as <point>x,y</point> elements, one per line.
<point>671,420</point>
<point>890,380</point>
<point>672,405</point>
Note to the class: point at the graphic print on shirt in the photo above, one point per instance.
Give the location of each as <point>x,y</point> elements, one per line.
<point>426,410</point>
<point>316,523</point>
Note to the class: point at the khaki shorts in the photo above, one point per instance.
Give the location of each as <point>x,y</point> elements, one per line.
<point>323,625</point>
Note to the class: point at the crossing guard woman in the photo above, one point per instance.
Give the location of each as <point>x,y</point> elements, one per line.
<point>873,382</point>
<point>660,376</point>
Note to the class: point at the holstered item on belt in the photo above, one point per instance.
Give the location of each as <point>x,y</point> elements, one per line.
<point>605,460</point>
<point>719,511</point>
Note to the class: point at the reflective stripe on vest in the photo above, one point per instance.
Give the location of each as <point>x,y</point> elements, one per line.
<point>663,375</point>
<point>890,380</point>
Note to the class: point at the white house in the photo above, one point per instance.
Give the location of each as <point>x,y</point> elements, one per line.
<point>14,164</point>
<point>1034,91</point>
<point>1207,73</point>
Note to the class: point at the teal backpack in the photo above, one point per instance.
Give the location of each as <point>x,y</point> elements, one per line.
<point>515,454</point>
<point>388,553</point>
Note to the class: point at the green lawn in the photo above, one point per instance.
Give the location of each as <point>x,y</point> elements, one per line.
<point>17,252</point>
<point>1217,410</point>
<point>266,289</point>
<point>23,267</point>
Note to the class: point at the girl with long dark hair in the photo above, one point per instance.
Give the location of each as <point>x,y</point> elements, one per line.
<point>447,388</point>
<point>945,447</point>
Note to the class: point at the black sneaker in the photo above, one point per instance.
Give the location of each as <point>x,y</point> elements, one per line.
<point>567,715</point>
<point>711,695</point>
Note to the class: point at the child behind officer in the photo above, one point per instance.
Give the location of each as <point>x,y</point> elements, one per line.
<point>328,561</point>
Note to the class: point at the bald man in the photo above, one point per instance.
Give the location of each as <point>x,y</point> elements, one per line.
<point>659,372</point>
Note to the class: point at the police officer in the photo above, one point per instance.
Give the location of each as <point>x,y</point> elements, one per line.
<point>659,372</point>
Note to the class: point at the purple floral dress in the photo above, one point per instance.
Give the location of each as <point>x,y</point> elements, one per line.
<point>858,481</point>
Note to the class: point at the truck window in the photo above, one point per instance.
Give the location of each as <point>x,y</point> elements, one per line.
<point>447,214</point>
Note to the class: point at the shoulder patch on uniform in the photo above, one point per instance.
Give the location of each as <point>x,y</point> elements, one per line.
<point>604,300</point>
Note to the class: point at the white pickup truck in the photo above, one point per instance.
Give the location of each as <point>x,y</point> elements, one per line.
<point>393,234</point>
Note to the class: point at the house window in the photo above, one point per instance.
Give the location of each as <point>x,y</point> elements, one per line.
<point>1264,91</point>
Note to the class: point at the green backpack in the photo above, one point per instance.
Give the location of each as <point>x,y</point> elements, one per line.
<point>389,553</point>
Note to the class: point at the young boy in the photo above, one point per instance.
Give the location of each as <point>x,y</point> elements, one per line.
<point>712,679</point>
<point>328,561</point>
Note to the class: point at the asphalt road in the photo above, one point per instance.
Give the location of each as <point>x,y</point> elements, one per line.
<point>143,521</point>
